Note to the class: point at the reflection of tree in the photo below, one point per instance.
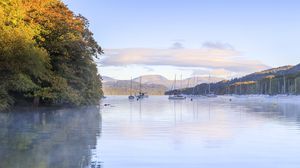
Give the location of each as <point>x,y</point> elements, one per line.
<point>52,138</point>
<point>287,112</point>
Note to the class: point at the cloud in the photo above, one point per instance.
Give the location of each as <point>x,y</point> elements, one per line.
<point>217,45</point>
<point>216,56</point>
<point>177,45</point>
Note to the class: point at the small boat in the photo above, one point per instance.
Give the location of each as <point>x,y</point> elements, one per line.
<point>177,97</point>
<point>177,93</point>
<point>131,97</point>
<point>141,94</point>
<point>211,95</point>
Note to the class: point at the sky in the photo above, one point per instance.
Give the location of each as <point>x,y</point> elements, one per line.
<point>224,38</point>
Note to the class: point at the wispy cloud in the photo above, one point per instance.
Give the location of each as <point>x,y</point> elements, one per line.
<point>217,45</point>
<point>220,57</point>
<point>177,45</point>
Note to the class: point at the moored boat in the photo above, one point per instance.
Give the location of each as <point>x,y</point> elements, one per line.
<point>211,95</point>
<point>177,93</point>
<point>177,97</point>
<point>141,94</point>
<point>131,97</point>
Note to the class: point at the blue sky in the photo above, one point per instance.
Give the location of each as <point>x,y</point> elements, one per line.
<point>139,34</point>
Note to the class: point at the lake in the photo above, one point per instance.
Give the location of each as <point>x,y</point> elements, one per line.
<point>227,132</point>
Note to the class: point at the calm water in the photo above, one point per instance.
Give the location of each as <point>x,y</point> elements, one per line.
<point>154,132</point>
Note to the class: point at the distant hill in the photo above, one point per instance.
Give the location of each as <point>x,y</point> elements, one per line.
<point>293,70</point>
<point>154,79</point>
<point>189,82</point>
<point>262,74</point>
<point>153,84</point>
<point>193,81</point>
<point>108,79</point>
<point>122,87</point>
<point>281,80</point>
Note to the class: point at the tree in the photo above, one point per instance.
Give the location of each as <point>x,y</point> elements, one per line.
<point>46,53</point>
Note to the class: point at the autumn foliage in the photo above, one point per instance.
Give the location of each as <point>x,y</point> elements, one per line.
<point>46,55</point>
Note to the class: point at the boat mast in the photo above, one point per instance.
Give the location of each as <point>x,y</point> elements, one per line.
<point>131,87</point>
<point>141,85</point>
<point>240,85</point>
<point>270,86</point>
<point>175,83</point>
<point>180,90</point>
<point>295,85</point>
<point>209,84</point>
<point>194,85</point>
<point>197,88</point>
<point>188,83</point>
<point>181,81</point>
<point>284,85</point>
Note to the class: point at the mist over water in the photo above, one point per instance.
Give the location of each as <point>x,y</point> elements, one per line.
<point>48,138</point>
<point>154,132</point>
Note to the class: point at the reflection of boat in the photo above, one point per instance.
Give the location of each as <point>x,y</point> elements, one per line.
<point>131,97</point>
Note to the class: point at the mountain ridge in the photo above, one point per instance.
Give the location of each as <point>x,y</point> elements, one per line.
<point>161,80</point>
<point>280,80</point>
<point>153,84</point>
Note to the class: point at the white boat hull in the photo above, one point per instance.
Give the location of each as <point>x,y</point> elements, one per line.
<point>177,97</point>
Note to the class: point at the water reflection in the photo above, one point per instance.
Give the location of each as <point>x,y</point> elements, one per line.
<point>283,112</point>
<point>208,133</point>
<point>49,138</point>
<point>154,132</point>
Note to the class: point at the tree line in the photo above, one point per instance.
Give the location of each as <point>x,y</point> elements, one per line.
<point>282,80</point>
<point>46,55</point>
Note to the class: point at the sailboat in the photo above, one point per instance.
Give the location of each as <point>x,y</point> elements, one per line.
<point>210,94</point>
<point>131,97</point>
<point>141,94</point>
<point>177,93</point>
